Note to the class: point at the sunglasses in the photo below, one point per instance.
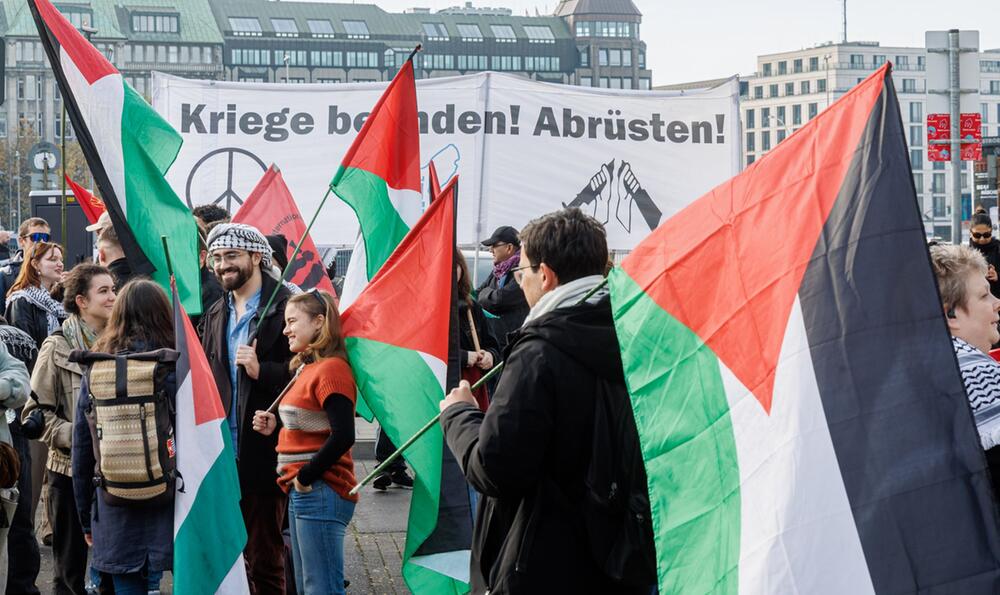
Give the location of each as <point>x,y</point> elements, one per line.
<point>38,236</point>
<point>980,236</point>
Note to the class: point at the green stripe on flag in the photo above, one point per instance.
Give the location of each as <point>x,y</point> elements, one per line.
<point>217,505</point>
<point>404,393</point>
<point>381,226</point>
<point>149,146</point>
<point>688,444</point>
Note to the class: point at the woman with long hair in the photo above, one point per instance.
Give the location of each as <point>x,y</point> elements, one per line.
<point>132,544</point>
<point>88,297</point>
<point>30,305</point>
<point>478,348</point>
<point>314,446</point>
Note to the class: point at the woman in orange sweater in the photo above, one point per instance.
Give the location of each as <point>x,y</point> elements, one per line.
<point>314,447</point>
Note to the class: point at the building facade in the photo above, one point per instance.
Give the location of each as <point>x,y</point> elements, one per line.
<point>790,88</point>
<point>175,36</point>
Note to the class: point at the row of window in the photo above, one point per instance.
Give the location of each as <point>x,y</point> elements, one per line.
<point>166,54</point>
<point>615,82</point>
<point>328,58</point>
<point>805,88</point>
<point>856,61</point>
<point>155,23</point>
<point>250,26</point>
<point>606,29</point>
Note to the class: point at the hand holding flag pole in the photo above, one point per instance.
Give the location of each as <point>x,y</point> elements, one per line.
<point>437,418</point>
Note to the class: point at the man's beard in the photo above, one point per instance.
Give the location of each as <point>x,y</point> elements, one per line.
<point>234,283</point>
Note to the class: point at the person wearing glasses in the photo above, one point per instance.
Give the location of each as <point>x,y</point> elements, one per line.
<point>30,231</point>
<point>249,359</point>
<point>981,238</point>
<point>499,294</point>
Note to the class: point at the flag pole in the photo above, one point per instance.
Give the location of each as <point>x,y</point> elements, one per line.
<point>166,252</point>
<point>430,424</point>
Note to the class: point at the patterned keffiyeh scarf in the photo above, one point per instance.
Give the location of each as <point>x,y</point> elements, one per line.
<point>78,333</point>
<point>54,311</point>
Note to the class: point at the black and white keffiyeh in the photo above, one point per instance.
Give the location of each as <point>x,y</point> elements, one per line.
<point>239,236</point>
<point>54,311</point>
<point>981,376</point>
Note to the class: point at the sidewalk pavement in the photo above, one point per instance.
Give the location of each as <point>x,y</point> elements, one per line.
<point>373,545</point>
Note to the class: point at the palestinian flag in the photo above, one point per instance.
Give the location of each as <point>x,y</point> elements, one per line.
<point>801,414</point>
<point>119,132</point>
<point>380,179</point>
<point>209,535</point>
<point>400,364</point>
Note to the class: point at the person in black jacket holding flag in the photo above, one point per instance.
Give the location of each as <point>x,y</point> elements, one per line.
<point>500,295</point>
<point>531,452</point>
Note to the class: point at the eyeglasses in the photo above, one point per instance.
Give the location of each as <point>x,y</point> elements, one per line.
<point>519,272</point>
<point>38,236</point>
<point>979,236</point>
<point>227,257</point>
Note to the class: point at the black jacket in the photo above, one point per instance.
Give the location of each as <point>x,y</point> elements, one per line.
<point>528,455</point>
<point>507,303</point>
<point>10,271</point>
<point>211,292</point>
<point>257,456</point>
<point>121,271</point>
<point>487,341</point>
<point>29,318</point>
<point>991,252</point>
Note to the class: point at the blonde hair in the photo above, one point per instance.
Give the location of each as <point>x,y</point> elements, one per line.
<point>953,265</point>
<point>329,342</point>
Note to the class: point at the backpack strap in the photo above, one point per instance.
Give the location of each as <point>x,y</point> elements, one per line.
<point>121,376</point>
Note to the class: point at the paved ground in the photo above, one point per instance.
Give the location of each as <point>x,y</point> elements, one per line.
<point>374,543</point>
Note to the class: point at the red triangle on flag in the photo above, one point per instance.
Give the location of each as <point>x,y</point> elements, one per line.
<point>91,205</point>
<point>90,62</point>
<point>417,277</point>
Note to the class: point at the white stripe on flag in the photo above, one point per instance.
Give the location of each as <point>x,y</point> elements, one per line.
<point>798,533</point>
<point>198,448</point>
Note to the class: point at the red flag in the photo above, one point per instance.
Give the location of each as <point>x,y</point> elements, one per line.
<point>435,183</point>
<point>271,209</point>
<point>92,206</point>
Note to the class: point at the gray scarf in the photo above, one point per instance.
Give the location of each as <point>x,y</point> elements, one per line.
<point>566,295</point>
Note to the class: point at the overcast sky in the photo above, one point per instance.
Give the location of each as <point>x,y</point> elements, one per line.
<point>691,40</point>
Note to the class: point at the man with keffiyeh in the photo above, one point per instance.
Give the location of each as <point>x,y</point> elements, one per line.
<point>499,294</point>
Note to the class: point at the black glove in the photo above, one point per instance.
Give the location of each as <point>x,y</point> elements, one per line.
<point>33,425</point>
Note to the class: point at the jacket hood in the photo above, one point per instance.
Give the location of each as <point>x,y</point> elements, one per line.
<point>585,333</point>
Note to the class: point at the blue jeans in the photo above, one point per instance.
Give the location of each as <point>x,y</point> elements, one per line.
<point>318,521</point>
<point>136,583</point>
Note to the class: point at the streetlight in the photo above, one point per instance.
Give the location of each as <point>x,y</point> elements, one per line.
<point>287,59</point>
<point>826,67</point>
<point>781,123</point>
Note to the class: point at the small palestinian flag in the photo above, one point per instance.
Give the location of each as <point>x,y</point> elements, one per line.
<point>800,410</point>
<point>121,134</point>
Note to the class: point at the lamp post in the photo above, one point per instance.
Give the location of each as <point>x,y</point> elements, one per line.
<point>780,122</point>
<point>287,59</point>
<point>826,67</point>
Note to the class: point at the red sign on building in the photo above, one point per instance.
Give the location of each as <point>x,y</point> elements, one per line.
<point>970,131</point>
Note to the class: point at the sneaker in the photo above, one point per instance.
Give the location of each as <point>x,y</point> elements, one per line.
<point>382,482</point>
<point>402,478</point>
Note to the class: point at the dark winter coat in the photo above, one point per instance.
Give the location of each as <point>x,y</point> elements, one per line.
<point>528,455</point>
<point>506,303</point>
<point>121,271</point>
<point>487,341</point>
<point>29,318</point>
<point>258,458</point>
<point>991,252</point>
<point>125,537</point>
<point>9,272</point>
<point>211,292</point>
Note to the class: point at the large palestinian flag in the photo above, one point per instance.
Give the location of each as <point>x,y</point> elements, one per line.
<point>401,365</point>
<point>119,132</point>
<point>800,410</point>
<point>380,179</point>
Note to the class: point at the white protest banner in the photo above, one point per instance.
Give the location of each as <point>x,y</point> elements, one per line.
<point>522,148</point>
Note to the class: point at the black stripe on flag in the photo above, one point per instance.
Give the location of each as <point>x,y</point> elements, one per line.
<point>902,429</point>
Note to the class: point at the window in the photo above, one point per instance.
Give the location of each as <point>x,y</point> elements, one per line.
<point>539,34</point>
<point>320,27</point>
<point>750,142</point>
<point>916,136</point>
<point>909,85</point>
<point>470,32</point>
<point>766,69</point>
<point>879,60</point>
<point>937,184</point>
<point>796,115</point>
<point>435,31</point>
<point>172,51</point>
<point>626,83</point>
<point>439,62</point>
<point>857,61</point>
<point>503,33</point>
<point>616,82</point>
<point>765,141</point>
<point>773,90</point>
<point>765,117</point>
<point>285,27</point>
<point>155,23</point>
<point>327,80</point>
<point>645,84</point>
<point>920,62</point>
<point>994,87</point>
<point>938,165</point>
<point>780,135</point>
<point>758,92</point>
<point>326,58</point>
<point>206,55</point>
<point>804,88</point>
<point>626,57</point>
<point>751,159</point>
<point>916,112</point>
<point>77,17</point>
<point>813,110</point>
<point>789,89</point>
<point>797,65</point>
<point>918,183</point>
<point>939,207</point>
<point>362,60</point>
<point>821,85</point>
<point>583,29</point>
<point>602,57</point>
<point>609,29</point>
<point>783,67</point>
<point>542,63</point>
<point>185,54</point>
<point>814,64</point>
<point>472,63</point>
<point>295,57</point>
<point>780,115</point>
<point>604,84</point>
<point>584,58</point>
<point>250,57</point>
<point>586,81</point>
<point>902,61</point>
<point>196,54</point>
<point>161,53</point>
<point>356,29</point>
<point>750,119</point>
<point>245,26</point>
<point>916,159</point>
<point>615,57</point>
<point>642,59</point>
<point>505,62</point>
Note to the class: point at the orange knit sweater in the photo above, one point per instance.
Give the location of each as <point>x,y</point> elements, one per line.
<point>306,427</point>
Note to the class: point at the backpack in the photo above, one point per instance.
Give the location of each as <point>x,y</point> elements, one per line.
<point>131,419</point>
<point>616,500</point>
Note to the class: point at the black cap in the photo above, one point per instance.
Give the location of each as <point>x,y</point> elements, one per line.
<point>503,235</point>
